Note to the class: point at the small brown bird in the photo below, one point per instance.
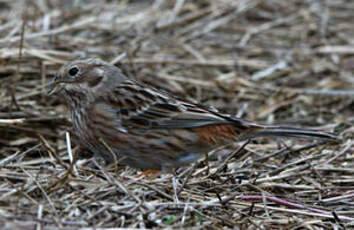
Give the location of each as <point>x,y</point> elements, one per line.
<point>145,127</point>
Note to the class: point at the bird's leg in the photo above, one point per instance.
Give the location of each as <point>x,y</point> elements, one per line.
<point>175,188</point>
<point>206,162</point>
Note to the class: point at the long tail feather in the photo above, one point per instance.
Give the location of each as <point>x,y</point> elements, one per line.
<point>283,131</point>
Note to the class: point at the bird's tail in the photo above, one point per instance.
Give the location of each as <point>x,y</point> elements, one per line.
<point>284,131</point>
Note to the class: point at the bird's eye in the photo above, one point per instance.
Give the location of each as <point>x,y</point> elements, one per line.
<point>73,71</point>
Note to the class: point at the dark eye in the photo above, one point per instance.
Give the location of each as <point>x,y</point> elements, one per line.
<point>73,71</point>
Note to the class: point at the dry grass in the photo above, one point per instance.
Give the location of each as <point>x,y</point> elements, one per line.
<point>288,62</point>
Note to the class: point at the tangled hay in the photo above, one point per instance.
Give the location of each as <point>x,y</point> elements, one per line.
<point>289,62</point>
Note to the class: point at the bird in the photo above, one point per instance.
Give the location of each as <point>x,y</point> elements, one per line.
<point>147,128</point>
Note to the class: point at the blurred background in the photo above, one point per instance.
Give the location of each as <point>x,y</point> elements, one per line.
<point>272,61</point>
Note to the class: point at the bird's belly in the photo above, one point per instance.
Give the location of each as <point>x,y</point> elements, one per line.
<point>146,148</point>
<point>157,149</point>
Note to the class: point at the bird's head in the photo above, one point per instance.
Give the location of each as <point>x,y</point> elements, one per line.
<point>91,77</point>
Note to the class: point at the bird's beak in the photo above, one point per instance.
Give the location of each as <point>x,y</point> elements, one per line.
<point>54,86</point>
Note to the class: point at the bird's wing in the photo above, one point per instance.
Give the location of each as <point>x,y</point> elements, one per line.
<point>139,106</point>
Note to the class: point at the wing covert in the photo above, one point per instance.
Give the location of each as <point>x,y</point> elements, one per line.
<point>138,106</point>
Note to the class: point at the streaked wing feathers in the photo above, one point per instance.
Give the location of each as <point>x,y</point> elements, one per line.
<point>142,107</point>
